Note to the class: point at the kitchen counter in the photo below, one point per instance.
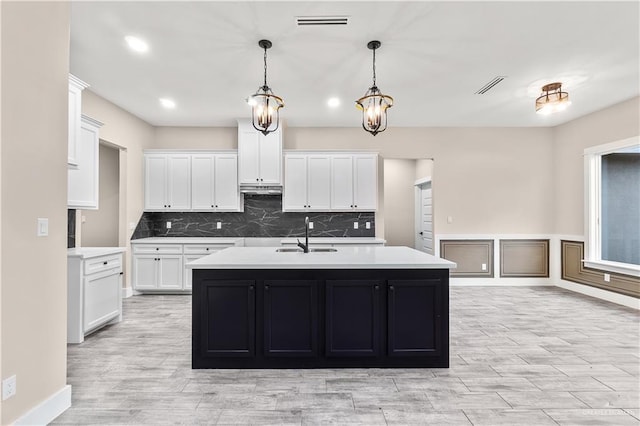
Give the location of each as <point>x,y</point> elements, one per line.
<point>187,240</point>
<point>318,241</point>
<point>89,252</point>
<point>344,258</point>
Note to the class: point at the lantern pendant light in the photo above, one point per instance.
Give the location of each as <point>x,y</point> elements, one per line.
<point>374,104</point>
<point>265,106</point>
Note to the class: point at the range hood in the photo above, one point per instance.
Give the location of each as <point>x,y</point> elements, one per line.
<point>261,189</point>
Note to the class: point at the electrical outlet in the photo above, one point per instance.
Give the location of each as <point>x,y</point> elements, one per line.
<point>367,225</point>
<point>607,278</point>
<point>168,225</point>
<point>355,225</point>
<point>218,225</point>
<point>310,225</point>
<point>9,387</point>
<point>484,266</point>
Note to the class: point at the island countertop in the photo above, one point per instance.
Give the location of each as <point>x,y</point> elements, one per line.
<point>344,258</point>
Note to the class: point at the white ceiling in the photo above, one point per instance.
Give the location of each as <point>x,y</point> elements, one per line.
<point>434,57</point>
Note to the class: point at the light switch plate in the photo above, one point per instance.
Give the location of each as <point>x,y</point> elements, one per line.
<point>43,227</point>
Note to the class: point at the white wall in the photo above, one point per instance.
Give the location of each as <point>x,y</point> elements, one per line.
<point>399,202</point>
<point>35,66</point>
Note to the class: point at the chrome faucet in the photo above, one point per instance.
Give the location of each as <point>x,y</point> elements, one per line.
<point>305,246</point>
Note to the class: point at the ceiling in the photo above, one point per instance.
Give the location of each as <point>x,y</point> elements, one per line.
<point>434,57</point>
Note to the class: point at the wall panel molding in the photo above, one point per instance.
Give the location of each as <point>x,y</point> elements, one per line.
<point>524,258</point>
<point>470,255</point>
<point>574,270</point>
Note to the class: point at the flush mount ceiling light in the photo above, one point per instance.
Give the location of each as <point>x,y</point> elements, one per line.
<point>265,106</point>
<point>374,104</point>
<point>552,99</point>
<point>136,44</point>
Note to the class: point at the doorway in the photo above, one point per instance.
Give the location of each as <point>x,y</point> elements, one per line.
<point>424,216</point>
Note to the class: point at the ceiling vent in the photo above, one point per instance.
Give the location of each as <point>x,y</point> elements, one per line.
<point>490,85</point>
<point>315,21</point>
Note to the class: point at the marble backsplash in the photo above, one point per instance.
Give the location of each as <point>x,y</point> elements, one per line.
<point>262,217</point>
<point>71,228</point>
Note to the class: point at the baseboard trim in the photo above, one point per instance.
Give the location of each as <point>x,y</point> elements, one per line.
<point>609,296</point>
<point>127,292</point>
<point>45,412</point>
<point>499,282</point>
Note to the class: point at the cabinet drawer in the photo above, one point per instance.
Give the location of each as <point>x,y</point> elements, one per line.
<point>204,248</point>
<point>158,248</point>
<point>103,263</point>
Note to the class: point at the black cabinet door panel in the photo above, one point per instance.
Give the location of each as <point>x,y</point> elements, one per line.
<point>413,317</point>
<point>229,318</point>
<point>290,318</point>
<point>352,318</point>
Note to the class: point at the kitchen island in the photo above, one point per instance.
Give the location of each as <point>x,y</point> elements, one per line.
<point>268,307</point>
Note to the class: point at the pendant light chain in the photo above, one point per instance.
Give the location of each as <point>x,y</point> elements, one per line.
<point>374,67</point>
<point>265,66</point>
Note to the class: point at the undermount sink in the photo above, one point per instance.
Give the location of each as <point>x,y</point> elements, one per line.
<point>311,250</point>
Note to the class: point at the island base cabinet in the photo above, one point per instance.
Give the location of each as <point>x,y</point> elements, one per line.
<point>353,318</point>
<point>290,318</point>
<point>273,318</point>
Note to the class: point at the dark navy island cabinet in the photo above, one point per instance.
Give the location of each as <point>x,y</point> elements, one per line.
<point>323,318</point>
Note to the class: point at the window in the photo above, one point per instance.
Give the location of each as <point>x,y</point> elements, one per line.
<point>612,206</point>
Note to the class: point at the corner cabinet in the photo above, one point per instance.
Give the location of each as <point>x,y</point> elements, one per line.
<point>259,156</point>
<point>191,181</point>
<point>76,86</point>
<point>83,181</point>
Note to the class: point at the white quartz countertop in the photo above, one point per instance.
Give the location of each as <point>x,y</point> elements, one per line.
<point>186,240</point>
<point>372,257</point>
<point>335,240</point>
<point>89,252</point>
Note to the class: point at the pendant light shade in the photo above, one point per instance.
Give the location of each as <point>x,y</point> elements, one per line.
<point>374,104</point>
<point>552,99</point>
<point>265,106</point>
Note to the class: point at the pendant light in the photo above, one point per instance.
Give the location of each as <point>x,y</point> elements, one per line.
<point>374,104</point>
<point>265,106</point>
<point>552,99</point>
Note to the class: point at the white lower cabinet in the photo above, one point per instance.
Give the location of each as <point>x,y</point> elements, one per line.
<point>160,267</point>
<point>94,294</point>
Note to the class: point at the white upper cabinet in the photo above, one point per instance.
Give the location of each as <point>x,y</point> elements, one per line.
<point>307,182</point>
<point>214,182</point>
<point>83,181</point>
<point>76,86</point>
<point>167,182</point>
<point>354,182</point>
<point>259,156</point>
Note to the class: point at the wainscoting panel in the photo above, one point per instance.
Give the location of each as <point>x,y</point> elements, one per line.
<point>524,258</point>
<point>470,255</point>
<point>574,270</point>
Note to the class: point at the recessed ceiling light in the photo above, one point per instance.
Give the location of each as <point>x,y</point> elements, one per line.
<point>136,44</point>
<point>167,103</point>
<point>333,102</point>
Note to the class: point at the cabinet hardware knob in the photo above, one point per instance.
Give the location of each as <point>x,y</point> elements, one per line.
<point>261,179</point>
<point>207,248</point>
<point>376,287</point>
<point>165,205</point>
<point>351,206</point>
<point>266,288</point>
<point>216,206</point>
<point>211,205</point>
<point>356,206</point>
<point>170,206</point>
<point>157,248</point>
<point>250,288</point>
<point>105,262</point>
<point>257,179</point>
<point>391,288</point>
<point>121,273</point>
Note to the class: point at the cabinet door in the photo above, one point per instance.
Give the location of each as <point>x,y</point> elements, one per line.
<point>227,196</point>
<point>155,178</point>
<point>271,158</point>
<point>342,182</point>
<point>170,272</point>
<point>319,182</point>
<point>365,185</point>
<point>248,155</point>
<point>228,318</point>
<point>414,319</point>
<point>83,184</point>
<point>290,318</point>
<point>295,187</point>
<point>202,181</point>
<point>145,272</point>
<point>179,182</point>
<point>352,318</point>
<point>102,293</point>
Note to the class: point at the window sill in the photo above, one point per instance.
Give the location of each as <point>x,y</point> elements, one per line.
<point>617,267</point>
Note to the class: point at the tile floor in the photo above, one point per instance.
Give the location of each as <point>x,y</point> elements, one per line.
<point>519,356</point>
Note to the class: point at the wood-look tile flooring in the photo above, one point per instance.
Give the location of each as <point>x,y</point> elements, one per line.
<point>519,356</point>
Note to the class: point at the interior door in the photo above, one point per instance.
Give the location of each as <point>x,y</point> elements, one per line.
<point>424,212</point>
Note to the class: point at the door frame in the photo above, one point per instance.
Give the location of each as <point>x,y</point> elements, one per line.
<point>417,216</point>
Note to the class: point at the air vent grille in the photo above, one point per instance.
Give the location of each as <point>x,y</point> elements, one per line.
<point>308,21</point>
<point>490,85</point>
